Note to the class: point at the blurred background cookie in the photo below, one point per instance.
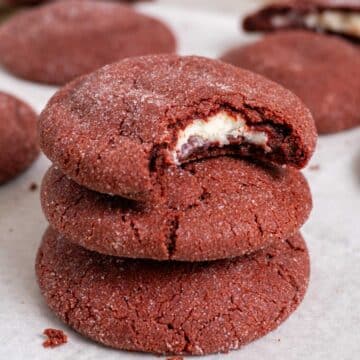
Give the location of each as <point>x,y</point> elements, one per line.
<point>341,17</point>
<point>18,140</point>
<point>59,41</point>
<point>324,71</point>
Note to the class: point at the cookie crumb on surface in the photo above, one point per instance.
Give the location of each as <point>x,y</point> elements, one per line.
<point>175,358</point>
<point>315,167</point>
<point>55,338</point>
<point>33,186</point>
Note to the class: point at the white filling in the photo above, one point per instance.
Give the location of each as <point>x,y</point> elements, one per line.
<point>216,129</point>
<point>337,21</point>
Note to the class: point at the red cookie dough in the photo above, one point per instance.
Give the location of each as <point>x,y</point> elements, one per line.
<point>115,130</point>
<point>324,71</point>
<point>59,41</point>
<point>218,208</point>
<point>18,138</point>
<point>336,16</point>
<point>172,308</point>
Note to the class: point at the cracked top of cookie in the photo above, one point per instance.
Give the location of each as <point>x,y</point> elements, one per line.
<point>211,209</point>
<point>117,129</point>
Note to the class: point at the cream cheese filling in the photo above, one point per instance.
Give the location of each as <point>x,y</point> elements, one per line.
<point>337,21</point>
<point>217,129</point>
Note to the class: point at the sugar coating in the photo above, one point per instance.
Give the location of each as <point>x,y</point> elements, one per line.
<point>114,130</point>
<point>217,129</point>
<point>172,308</point>
<point>216,208</point>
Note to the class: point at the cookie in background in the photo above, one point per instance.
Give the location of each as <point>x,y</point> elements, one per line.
<point>59,41</point>
<point>323,70</point>
<point>18,137</point>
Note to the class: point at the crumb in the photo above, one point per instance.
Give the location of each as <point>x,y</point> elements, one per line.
<point>55,338</point>
<point>33,186</point>
<point>175,358</point>
<point>11,230</point>
<point>315,167</point>
<point>278,340</point>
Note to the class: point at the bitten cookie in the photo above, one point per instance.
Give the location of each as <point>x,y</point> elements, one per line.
<point>218,208</point>
<point>339,17</point>
<point>323,71</point>
<point>18,138</point>
<point>172,308</point>
<point>59,41</point>
<point>115,130</point>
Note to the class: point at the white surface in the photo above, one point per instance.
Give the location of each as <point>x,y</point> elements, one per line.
<point>326,325</point>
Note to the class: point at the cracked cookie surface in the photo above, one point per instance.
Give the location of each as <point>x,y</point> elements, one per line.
<point>56,42</point>
<point>172,307</point>
<point>211,209</point>
<point>115,130</point>
<point>341,17</point>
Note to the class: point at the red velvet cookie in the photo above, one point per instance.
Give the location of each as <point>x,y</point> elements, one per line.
<point>115,130</point>
<point>59,41</point>
<point>213,209</point>
<point>336,16</point>
<point>18,140</point>
<point>172,308</point>
<point>324,71</point>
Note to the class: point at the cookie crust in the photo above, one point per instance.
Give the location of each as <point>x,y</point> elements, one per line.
<point>217,208</point>
<point>173,308</point>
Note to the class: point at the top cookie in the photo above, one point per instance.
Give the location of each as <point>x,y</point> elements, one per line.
<point>340,17</point>
<point>59,41</point>
<point>115,129</point>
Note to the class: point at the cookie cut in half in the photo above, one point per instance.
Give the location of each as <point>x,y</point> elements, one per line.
<point>18,137</point>
<point>56,42</point>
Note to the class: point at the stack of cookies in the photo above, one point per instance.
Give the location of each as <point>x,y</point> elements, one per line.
<point>175,203</point>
